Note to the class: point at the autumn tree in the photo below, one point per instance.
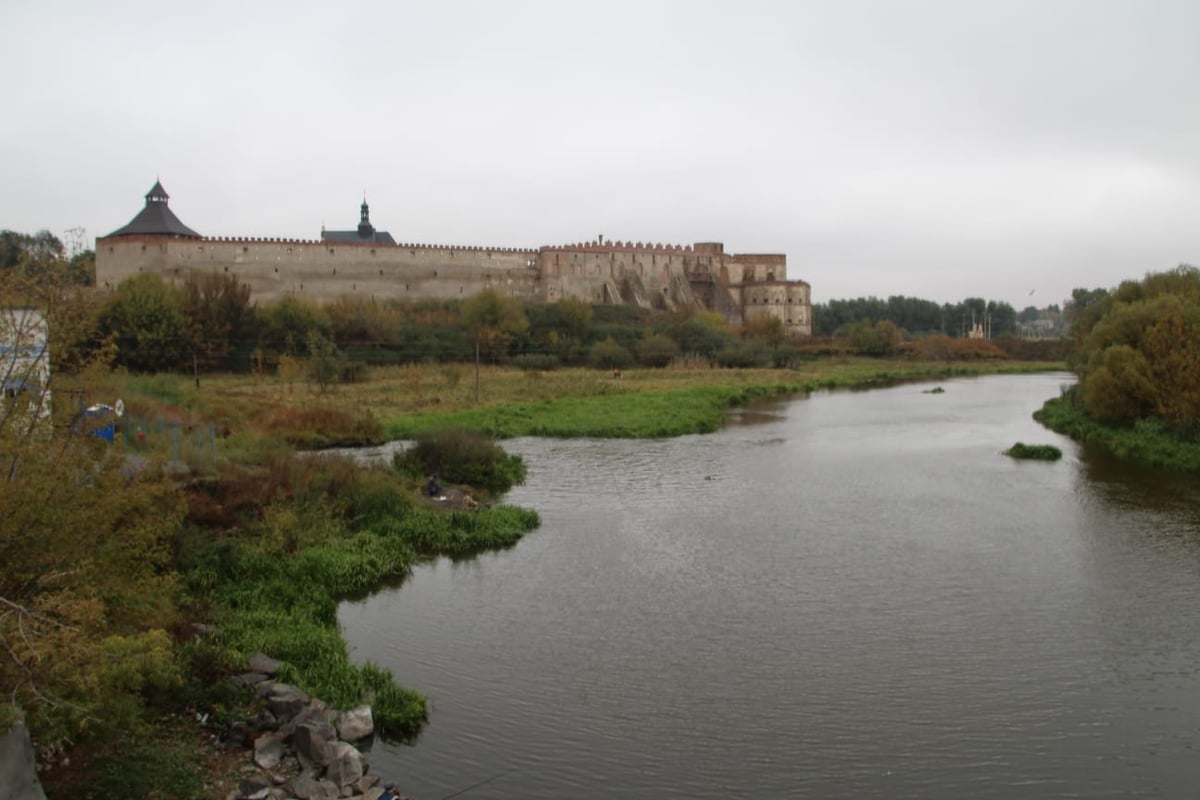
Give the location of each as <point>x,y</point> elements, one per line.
<point>1138,352</point>
<point>874,339</point>
<point>146,322</point>
<point>219,316</point>
<point>87,592</point>
<point>494,322</point>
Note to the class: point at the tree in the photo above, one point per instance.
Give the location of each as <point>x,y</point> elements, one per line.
<point>609,355</point>
<point>87,592</point>
<point>219,313</point>
<point>323,361</point>
<point>146,320</point>
<point>1138,349</point>
<point>657,350</point>
<point>285,325</point>
<point>879,339</point>
<point>702,333</point>
<point>494,321</point>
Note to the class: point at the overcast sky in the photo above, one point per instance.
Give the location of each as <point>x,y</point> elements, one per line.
<point>939,149</point>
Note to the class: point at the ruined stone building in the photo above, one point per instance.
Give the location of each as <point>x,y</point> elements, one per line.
<point>370,264</point>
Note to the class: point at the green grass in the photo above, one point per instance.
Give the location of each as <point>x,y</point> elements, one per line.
<point>285,603</point>
<point>638,413</point>
<point>1034,452</point>
<point>1148,441</point>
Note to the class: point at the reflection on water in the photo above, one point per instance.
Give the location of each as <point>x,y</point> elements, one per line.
<point>850,595</point>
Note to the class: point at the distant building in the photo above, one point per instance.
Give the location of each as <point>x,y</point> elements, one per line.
<point>25,359</point>
<point>371,264</point>
<point>364,234</point>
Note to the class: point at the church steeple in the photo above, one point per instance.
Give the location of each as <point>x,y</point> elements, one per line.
<point>365,228</point>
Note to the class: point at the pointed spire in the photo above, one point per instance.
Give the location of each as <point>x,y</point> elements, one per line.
<point>365,229</point>
<point>157,193</point>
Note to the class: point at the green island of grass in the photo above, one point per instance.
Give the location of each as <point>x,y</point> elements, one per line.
<point>1034,452</point>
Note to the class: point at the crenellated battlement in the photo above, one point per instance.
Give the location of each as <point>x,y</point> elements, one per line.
<point>597,246</point>
<point>248,240</point>
<point>349,263</point>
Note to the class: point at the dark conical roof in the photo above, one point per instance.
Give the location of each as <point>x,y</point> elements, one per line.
<point>156,219</point>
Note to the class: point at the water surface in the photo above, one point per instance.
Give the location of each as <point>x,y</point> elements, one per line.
<point>849,595</point>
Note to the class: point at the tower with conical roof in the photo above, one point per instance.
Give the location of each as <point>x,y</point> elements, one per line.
<point>156,219</point>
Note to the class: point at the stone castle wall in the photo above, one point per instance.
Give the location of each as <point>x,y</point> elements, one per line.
<point>649,275</point>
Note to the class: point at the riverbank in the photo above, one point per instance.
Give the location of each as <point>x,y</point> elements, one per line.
<point>269,543</point>
<point>254,413</point>
<point>1148,441</point>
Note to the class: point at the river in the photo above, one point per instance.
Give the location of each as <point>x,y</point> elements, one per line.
<point>848,595</point>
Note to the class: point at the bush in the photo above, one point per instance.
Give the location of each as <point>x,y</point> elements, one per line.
<point>609,355</point>
<point>462,456</point>
<point>657,351</point>
<point>1037,452</point>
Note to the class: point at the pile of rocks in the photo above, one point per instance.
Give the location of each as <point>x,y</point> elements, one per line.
<point>302,749</point>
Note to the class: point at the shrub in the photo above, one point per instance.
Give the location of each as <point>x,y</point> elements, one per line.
<point>609,355</point>
<point>462,456</point>
<point>1037,452</point>
<point>657,351</point>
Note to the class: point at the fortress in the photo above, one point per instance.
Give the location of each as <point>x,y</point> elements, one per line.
<point>370,264</point>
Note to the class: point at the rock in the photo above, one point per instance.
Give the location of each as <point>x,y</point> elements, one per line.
<point>248,679</point>
<point>364,783</point>
<point>286,701</point>
<point>268,750</point>
<point>305,787</point>
<point>260,662</point>
<point>315,711</point>
<point>312,740</point>
<point>346,764</point>
<point>355,724</point>
<point>263,721</point>
<point>237,734</point>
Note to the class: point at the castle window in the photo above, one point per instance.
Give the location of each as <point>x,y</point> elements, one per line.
<point>331,251</point>
<point>227,269</point>
<point>372,251</point>
<point>277,270</point>
<point>245,249</point>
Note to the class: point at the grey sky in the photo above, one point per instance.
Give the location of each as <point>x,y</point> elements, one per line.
<point>940,149</point>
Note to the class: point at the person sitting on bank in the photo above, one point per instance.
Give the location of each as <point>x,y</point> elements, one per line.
<point>389,791</point>
<point>433,488</point>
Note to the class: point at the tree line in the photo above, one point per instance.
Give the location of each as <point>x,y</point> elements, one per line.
<point>917,317</point>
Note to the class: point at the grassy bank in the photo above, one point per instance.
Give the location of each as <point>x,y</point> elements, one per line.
<point>333,529</point>
<point>645,404</point>
<point>253,413</point>
<point>1148,441</point>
